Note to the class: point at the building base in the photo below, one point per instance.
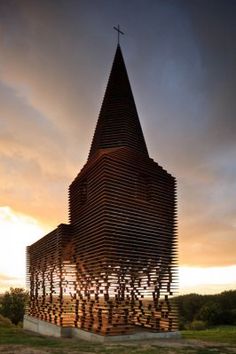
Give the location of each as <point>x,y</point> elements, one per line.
<point>42,327</point>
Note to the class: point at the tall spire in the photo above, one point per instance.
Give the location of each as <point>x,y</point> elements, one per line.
<point>118,123</point>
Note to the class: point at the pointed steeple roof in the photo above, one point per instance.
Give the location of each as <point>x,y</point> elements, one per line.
<point>118,123</point>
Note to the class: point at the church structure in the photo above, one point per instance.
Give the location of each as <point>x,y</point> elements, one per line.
<point>113,269</point>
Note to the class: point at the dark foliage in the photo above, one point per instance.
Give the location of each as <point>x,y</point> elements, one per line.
<point>211,313</point>
<point>12,304</point>
<point>210,309</point>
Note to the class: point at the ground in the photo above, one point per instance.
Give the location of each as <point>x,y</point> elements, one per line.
<point>221,340</point>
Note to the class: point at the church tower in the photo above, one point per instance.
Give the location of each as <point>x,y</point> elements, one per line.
<point>113,268</point>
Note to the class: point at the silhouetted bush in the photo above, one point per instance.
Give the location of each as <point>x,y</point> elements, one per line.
<point>210,313</point>
<point>228,317</point>
<point>188,306</point>
<point>12,304</point>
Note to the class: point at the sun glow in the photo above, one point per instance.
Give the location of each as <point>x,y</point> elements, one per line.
<point>207,280</point>
<point>17,231</point>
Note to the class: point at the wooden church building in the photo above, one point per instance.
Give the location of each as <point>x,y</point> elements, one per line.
<point>112,270</point>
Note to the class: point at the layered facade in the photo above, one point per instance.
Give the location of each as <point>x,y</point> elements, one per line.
<point>113,268</point>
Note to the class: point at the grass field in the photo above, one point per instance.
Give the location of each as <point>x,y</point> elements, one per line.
<point>222,334</point>
<point>15,340</point>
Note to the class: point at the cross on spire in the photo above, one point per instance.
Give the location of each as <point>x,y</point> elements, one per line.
<point>118,32</point>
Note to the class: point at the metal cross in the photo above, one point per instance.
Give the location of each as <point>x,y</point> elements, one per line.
<point>118,32</point>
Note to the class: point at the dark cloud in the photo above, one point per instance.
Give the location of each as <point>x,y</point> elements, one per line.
<point>215,30</point>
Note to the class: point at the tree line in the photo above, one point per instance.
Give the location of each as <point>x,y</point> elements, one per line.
<point>201,311</point>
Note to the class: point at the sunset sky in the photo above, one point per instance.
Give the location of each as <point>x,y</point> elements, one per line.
<point>55,58</point>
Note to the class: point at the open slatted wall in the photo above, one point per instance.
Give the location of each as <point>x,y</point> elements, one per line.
<point>114,267</point>
<point>143,239</point>
<point>124,240</point>
<point>46,277</point>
